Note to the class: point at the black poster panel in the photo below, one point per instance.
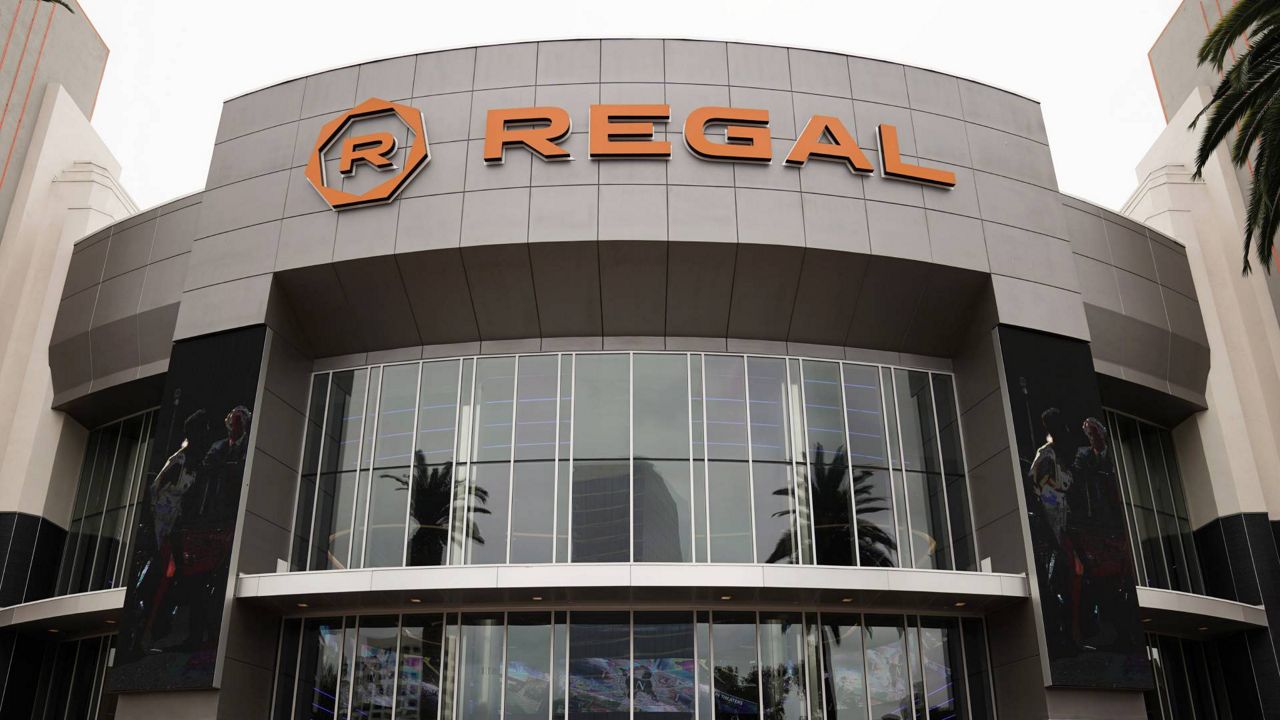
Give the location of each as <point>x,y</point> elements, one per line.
<point>187,514</point>
<point>1083,561</point>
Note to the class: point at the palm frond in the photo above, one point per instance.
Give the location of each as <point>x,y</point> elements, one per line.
<point>1244,112</point>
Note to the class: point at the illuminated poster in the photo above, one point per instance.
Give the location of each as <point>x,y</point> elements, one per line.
<point>177,582</point>
<point>1083,561</point>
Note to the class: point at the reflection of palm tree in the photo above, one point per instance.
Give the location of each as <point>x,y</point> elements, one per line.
<point>828,490</point>
<point>430,503</point>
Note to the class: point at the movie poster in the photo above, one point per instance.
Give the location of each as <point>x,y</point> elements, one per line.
<point>1083,560</point>
<point>187,511</point>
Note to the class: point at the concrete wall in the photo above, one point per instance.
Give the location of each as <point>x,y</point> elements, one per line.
<point>649,249</point>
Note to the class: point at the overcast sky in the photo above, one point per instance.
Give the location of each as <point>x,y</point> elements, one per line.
<point>173,62</point>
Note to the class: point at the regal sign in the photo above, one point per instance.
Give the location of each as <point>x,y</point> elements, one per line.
<point>614,132</point>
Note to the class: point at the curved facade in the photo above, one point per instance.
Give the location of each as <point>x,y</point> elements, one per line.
<point>660,377</point>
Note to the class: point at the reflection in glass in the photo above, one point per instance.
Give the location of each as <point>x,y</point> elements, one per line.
<point>829,488</point>
<point>729,508</point>
<point>491,491</point>
<point>533,497</point>
<point>528,676</point>
<point>374,680</point>
<point>940,657</point>
<point>336,487</point>
<point>782,670</point>
<point>662,407</point>
<point>657,665</point>
<point>888,681</point>
<point>599,666</point>
<point>480,682</point>
<point>601,507</point>
<point>536,404</point>
<point>663,668</point>
<point>418,689</point>
<point>844,677</point>
<point>737,676</point>
<point>953,468</point>
<point>926,500</point>
<point>663,531</point>
<point>776,512</point>
<point>672,457</point>
<point>601,486</point>
<point>318,667</point>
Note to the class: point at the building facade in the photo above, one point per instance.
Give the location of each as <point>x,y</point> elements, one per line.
<point>639,378</point>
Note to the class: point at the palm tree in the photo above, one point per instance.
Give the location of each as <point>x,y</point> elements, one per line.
<point>828,489</point>
<point>63,4</point>
<point>430,502</point>
<point>1246,101</point>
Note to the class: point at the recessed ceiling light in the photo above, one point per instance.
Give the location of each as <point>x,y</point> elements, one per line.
<point>111,622</point>
<point>537,597</point>
<point>846,600</point>
<point>303,605</point>
<point>415,600</point>
<point>1202,628</point>
<point>1146,620</point>
<point>961,603</point>
<point>726,597</point>
<point>53,630</point>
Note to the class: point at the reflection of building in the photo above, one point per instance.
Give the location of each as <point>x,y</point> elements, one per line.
<point>657,534</point>
<point>535,436</point>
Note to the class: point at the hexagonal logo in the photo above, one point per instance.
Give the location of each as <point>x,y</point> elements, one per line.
<point>378,150</point>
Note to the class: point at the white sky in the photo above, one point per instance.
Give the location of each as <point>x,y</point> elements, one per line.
<point>173,62</point>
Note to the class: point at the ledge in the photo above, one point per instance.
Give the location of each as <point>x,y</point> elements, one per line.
<point>80,613</point>
<point>1169,612</point>
<point>621,583</point>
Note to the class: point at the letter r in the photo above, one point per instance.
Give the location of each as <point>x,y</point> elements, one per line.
<point>374,148</point>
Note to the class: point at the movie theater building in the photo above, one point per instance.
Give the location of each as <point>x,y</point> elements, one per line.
<point>642,379</point>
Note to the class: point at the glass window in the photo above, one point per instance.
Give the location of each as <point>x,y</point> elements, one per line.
<point>725,404</point>
<point>736,665</point>
<point>602,407</point>
<point>658,665</point>
<point>418,688</point>
<point>533,503</point>
<point>729,512</point>
<point>783,675</point>
<point>599,666</point>
<point>662,504</point>
<point>1186,685</point>
<point>480,658</point>
<point>432,474</point>
<point>374,672</point>
<point>926,498</point>
<point>528,677</point>
<point>1155,505</point>
<point>954,473</point>
<point>318,666</point>
<point>833,528</point>
<point>536,404</point>
<point>640,457</point>
<point>777,516</point>
<point>844,677</point>
<point>490,503</point>
<point>96,553</point>
<point>941,656</point>
<point>663,522</point>
<point>601,485</point>
<point>662,408</point>
<point>888,677</point>
<point>663,668</point>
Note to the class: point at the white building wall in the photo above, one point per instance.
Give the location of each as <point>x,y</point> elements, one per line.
<point>68,189</point>
<point>1239,435</point>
